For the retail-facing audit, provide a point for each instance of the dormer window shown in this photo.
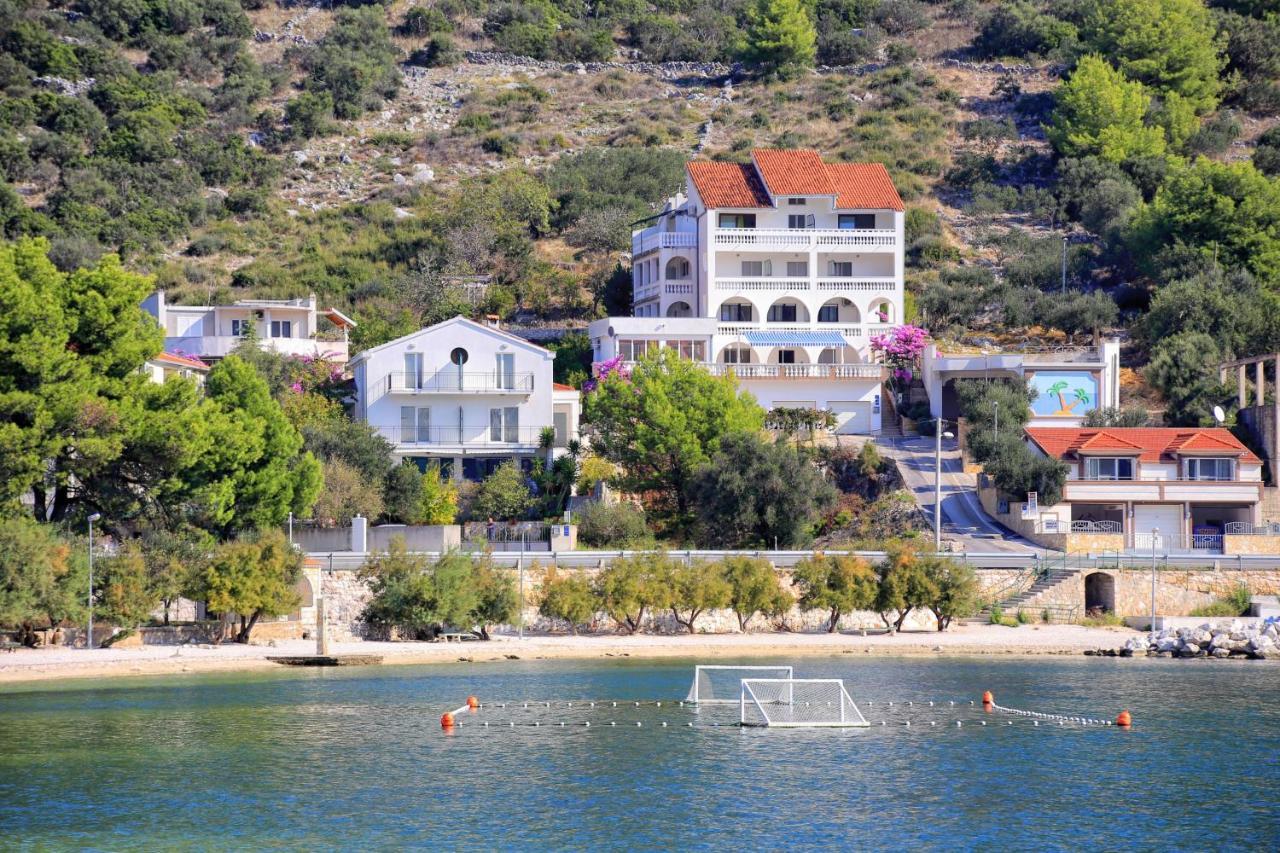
(797, 202)
(1210, 469)
(1104, 468)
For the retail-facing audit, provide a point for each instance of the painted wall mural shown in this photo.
(1064, 393)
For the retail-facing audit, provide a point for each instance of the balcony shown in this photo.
(220, 346)
(1172, 491)
(852, 331)
(765, 283)
(642, 242)
(460, 382)
(798, 371)
(466, 437)
(862, 284)
(806, 239)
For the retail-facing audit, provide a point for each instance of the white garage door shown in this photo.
(1163, 517)
(853, 417)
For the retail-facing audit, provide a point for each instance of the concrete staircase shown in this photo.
(1047, 579)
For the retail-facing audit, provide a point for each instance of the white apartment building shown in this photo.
(468, 395)
(778, 271)
(287, 326)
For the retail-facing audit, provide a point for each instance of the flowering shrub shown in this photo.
(602, 370)
(901, 348)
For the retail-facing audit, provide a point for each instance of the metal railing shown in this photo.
(461, 382)
(1248, 528)
(768, 238)
(1097, 527)
(798, 371)
(642, 242)
(473, 435)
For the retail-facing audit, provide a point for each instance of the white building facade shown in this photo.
(467, 395)
(287, 326)
(778, 271)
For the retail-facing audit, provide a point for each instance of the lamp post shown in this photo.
(523, 531)
(938, 435)
(1155, 535)
(995, 425)
(1064, 263)
(97, 516)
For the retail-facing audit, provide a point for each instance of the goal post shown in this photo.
(798, 703)
(720, 684)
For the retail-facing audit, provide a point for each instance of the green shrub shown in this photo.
(568, 598)
(605, 525)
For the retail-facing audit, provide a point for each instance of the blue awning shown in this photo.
(794, 339)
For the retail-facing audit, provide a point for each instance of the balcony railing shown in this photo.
(764, 283)
(853, 331)
(861, 284)
(663, 240)
(1248, 528)
(1097, 527)
(830, 239)
(478, 435)
(679, 288)
(799, 371)
(460, 382)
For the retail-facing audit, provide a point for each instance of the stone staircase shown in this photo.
(1046, 579)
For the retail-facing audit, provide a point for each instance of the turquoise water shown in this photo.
(356, 758)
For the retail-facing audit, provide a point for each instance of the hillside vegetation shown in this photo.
(382, 155)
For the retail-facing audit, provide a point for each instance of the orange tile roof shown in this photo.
(1150, 444)
(793, 172)
(856, 186)
(864, 185)
(728, 184)
(181, 360)
(560, 386)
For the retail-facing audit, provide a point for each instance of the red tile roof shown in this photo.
(560, 386)
(793, 172)
(181, 360)
(864, 185)
(856, 186)
(1150, 444)
(728, 184)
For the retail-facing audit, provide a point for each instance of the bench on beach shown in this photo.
(9, 646)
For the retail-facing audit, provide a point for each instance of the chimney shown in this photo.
(492, 321)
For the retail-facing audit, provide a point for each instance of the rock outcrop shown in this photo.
(1258, 642)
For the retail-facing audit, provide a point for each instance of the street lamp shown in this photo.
(938, 435)
(97, 516)
(1155, 535)
(995, 426)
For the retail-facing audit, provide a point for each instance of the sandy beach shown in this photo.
(46, 664)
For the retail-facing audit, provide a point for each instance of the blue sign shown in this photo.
(1064, 393)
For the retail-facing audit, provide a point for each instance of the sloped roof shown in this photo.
(468, 325)
(864, 185)
(728, 184)
(793, 172)
(1150, 444)
(775, 172)
(560, 386)
(181, 361)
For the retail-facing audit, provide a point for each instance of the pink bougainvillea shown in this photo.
(901, 345)
(602, 370)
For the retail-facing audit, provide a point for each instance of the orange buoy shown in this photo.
(446, 720)
(987, 698)
(473, 702)
(1124, 719)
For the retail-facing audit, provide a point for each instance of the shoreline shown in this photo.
(27, 666)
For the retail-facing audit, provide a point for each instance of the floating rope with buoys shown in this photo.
(1124, 719)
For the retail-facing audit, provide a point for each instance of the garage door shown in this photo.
(853, 417)
(1163, 517)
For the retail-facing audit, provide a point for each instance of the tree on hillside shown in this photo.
(838, 584)
(662, 423)
(1101, 113)
(754, 588)
(1170, 45)
(757, 492)
(781, 39)
(1184, 368)
(355, 62)
(251, 577)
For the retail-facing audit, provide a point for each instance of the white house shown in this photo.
(779, 271)
(163, 365)
(286, 326)
(469, 395)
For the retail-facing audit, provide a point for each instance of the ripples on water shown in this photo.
(356, 758)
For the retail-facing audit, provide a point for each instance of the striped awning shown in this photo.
(765, 338)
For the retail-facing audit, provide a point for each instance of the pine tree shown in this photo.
(781, 38)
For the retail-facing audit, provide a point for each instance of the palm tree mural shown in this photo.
(1081, 397)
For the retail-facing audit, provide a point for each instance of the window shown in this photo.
(800, 220)
(737, 220)
(737, 355)
(857, 220)
(413, 370)
(634, 350)
(677, 268)
(786, 356)
(692, 350)
(757, 269)
(735, 312)
(1210, 469)
(506, 370)
(797, 269)
(829, 314)
(415, 424)
(797, 202)
(782, 314)
(1108, 469)
(504, 424)
(282, 328)
(239, 328)
(842, 269)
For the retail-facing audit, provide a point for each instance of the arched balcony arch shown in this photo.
(679, 309)
(788, 309)
(736, 354)
(880, 311)
(677, 269)
(839, 310)
(737, 310)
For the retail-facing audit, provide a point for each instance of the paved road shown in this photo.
(964, 522)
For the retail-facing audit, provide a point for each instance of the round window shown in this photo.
(458, 356)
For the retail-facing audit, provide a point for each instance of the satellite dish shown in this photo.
(1218, 414)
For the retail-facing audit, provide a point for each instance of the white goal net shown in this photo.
(722, 685)
(798, 703)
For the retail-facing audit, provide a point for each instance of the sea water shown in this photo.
(356, 758)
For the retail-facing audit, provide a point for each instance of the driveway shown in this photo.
(964, 523)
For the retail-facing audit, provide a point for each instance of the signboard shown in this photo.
(1049, 523)
(1031, 509)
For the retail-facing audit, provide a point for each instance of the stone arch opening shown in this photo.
(679, 309)
(1099, 593)
(678, 268)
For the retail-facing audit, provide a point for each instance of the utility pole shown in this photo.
(89, 638)
(1064, 263)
